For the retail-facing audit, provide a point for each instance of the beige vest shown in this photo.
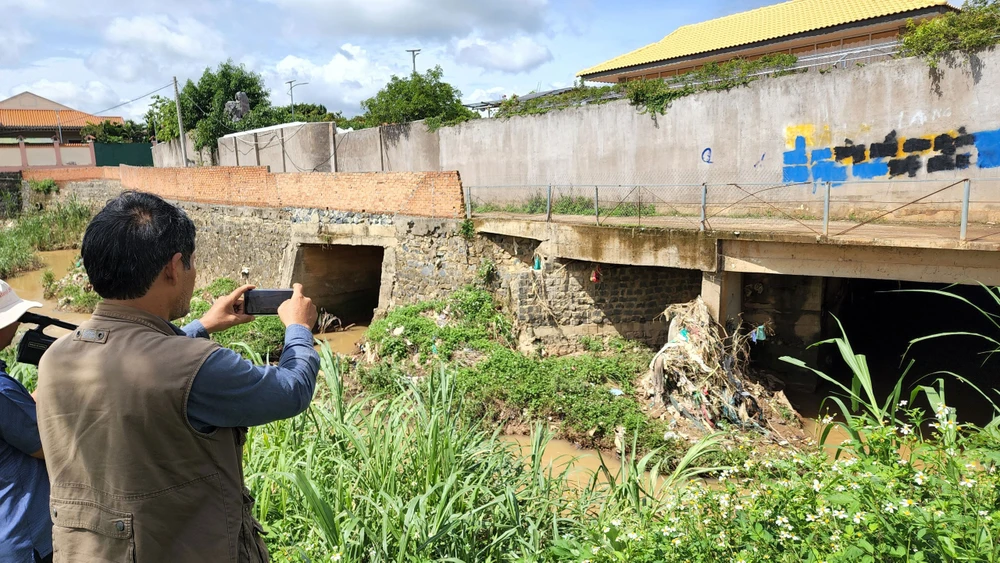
(132, 480)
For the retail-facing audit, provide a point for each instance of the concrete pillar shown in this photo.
(723, 294)
(24, 153)
(55, 145)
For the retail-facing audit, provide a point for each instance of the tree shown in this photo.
(110, 132)
(419, 96)
(305, 112)
(203, 105)
(161, 118)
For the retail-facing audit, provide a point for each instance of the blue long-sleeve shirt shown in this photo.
(229, 391)
(25, 527)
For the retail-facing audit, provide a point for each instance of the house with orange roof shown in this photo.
(30, 116)
(829, 32)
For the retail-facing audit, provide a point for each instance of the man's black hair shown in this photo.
(129, 242)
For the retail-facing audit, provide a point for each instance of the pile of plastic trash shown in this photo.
(700, 374)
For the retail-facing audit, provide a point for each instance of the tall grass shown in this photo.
(406, 478)
(59, 226)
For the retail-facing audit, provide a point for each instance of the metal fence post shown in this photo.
(704, 205)
(468, 202)
(826, 210)
(597, 207)
(548, 204)
(640, 205)
(965, 209)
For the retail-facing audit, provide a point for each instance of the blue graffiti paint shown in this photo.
(822, 154)
(795, 174)
(797, 156)
(988, 145)
(829, 171)
(869, 170)
(706, 156)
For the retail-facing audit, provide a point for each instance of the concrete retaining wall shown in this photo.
(301, 147)
(168, 154)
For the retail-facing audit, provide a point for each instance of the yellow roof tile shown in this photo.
(769, 22)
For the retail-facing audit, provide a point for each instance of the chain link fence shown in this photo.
(963, 209)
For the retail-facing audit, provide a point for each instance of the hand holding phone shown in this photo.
(265, 301)
(298, 309)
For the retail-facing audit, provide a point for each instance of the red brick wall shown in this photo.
(72, 174)
(421, 194)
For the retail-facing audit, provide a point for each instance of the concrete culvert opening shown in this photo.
(881, 319)
(342, 280)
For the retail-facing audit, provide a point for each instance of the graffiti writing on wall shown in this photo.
(812, 158)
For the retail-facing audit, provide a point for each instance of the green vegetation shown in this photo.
(567, 205)
(974, 29)
(418, 96)
(418, 477)
(264, 336)
(467, 229)
(407, 478)
(656, 95)
(58, 226)
(46, 186)
(579, 96)
(589, 397)
(127, 132)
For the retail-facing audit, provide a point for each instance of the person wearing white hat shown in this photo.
(25, 526)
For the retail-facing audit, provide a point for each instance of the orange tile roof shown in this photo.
(47, 118)
(761, 24)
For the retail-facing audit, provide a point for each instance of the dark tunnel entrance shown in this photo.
(881, 318)
(342, 280)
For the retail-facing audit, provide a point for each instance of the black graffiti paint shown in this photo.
(887, 148)
(944, 144)
(916, 145)
(850, 150)
(909, 166)
(963, 161)
(964, 139)
(942, 162)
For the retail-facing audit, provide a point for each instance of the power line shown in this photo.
(95, 114)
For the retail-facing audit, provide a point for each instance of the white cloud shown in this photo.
(340, 83)
(519, 54)
(487, 94)
(146, 46)
(90, 96)
(14, 42)
(416, 18)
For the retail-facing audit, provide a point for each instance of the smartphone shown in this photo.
(265, 301)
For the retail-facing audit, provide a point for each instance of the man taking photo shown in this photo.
(25, 528)
(143, 423)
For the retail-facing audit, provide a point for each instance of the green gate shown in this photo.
(133, 154)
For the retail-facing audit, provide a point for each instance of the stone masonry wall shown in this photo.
(10, 193)
(427, 259)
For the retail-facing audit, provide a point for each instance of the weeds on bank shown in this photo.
(567, 205)
(58, 226)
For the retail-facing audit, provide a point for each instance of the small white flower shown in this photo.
(905, 430)
(676, 541)
(902, 403)
(889, 507)
(859, 517)
(919, 478)
(902, 462)
(907, 503)
(616, 523)
(969, 483)
(827, 419)
(855, 486)
(781, 520)
(984, 513)
(810, 518)
(336, 556)
(841, 488)
(633, 536)
(840, 514)
(816, 485)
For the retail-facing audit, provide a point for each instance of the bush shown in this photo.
(975, 28)
(46, 186)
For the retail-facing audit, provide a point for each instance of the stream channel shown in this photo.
(28, 286)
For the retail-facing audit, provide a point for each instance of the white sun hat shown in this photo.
(12, 306)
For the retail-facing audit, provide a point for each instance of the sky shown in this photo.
(95, 54)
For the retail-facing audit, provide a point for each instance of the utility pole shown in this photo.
(414, 52)
(59, 123)
(180, 124)
(291, 92)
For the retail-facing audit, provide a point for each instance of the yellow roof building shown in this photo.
(798, 27)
